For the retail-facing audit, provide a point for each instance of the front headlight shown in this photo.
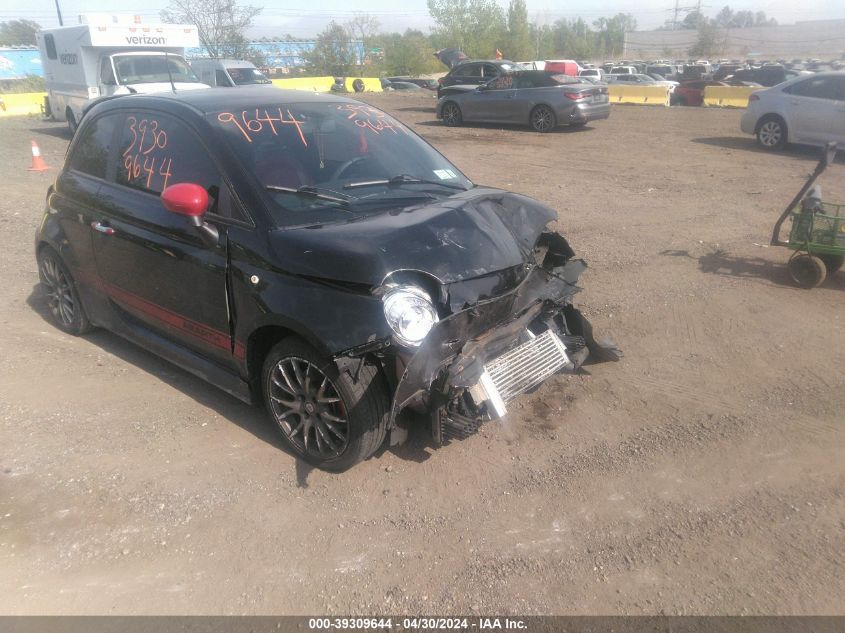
(409, 313)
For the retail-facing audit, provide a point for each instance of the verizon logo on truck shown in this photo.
(146, 39)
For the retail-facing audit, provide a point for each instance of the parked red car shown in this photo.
(692, 92)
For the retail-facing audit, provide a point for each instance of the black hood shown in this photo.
(461, 237)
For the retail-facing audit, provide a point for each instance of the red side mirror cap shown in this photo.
(185, 198)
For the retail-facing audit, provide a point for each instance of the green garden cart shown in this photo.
(818, 230)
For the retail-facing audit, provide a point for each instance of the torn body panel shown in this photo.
(455, 357)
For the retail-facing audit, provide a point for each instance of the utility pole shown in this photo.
(59, 12)
(674, 20)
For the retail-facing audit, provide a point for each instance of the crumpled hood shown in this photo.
(464, 236)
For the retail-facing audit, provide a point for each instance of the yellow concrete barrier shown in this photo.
(728, 96)
(640, 95)
(324, 84)
(22, 103)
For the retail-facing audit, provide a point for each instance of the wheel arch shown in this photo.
(540, 104)
(768, 117)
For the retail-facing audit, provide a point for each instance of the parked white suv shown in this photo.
(808, 109)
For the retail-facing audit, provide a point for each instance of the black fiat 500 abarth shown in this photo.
(312, 253)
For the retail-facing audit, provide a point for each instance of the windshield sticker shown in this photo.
(148, 136)
(445, 174)
(251, 127)
(368, 118)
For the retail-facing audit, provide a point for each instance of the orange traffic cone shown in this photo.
(38, 163)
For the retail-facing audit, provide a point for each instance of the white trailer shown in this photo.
(103, 57)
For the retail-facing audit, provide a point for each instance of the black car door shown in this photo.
(74, 202)
(159, 275)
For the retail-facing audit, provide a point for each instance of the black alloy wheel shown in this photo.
(62, 299)
(327, 417)
(307, 407)
(451, 114)
(543, 119)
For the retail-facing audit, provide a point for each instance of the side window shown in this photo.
(91, 152)
(106, 72)
(504, 82)
(50, 45)
(222, 79)
(818, 87)
(471, 70)
(157, 150)
(490, 70)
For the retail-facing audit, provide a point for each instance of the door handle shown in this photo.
(102, 228)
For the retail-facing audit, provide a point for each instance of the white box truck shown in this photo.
(102, 57)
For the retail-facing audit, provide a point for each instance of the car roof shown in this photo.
(217, 99)
(463, 62)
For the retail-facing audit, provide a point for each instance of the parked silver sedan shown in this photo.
(535, 98)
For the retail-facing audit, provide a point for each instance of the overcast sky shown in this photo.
(278, 17)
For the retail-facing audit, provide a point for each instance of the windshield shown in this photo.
(246, 76)
(148, 69)
(347, 151)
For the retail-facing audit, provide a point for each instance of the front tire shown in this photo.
(771, 133)
(326, 417)
(543, 119)
(808, 271)
(71, 121)
(66, 309)
(451, 114)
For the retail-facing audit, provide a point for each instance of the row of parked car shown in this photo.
(805, 108)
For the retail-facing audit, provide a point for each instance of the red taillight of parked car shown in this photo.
(753, 97)
(440, 80)
(575, 96)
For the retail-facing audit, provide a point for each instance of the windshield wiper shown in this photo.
(312, 192)
(403, 179)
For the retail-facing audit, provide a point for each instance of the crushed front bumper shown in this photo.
(475, 361)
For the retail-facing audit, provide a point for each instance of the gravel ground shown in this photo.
(703, 474)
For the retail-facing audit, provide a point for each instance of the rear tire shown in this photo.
(833, 263)
(771, 132)
(808, 271)
(66, 309)
(451, 114)
(542, 119)
(326, 417)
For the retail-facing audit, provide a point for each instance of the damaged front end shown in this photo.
(476, 360)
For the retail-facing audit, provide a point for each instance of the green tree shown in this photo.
(333, 53)
(478, 27)
(408, 53)
(18, 33)
(221, 24)
(519, 45)
(363, 27)
(707, 43)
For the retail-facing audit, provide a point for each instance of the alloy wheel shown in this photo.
(59, 292)
(308, 408)
(771, 134)
(451, 114)
(542, 119)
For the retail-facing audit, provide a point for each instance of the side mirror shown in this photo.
(186, 199)
(190, 200)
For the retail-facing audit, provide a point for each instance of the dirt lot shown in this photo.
(703, 474)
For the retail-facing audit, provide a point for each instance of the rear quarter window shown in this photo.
(91, 152)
